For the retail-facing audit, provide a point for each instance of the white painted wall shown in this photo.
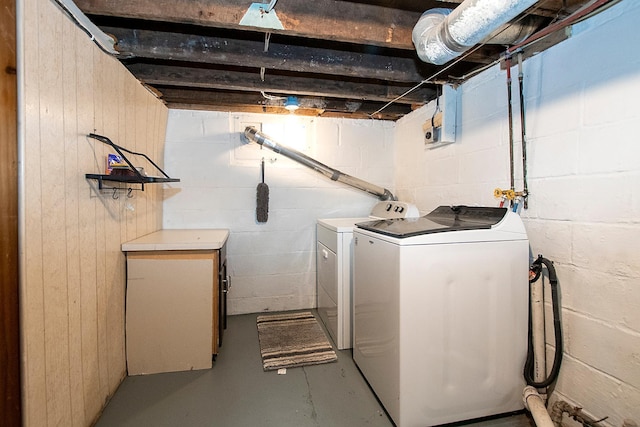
(584, 169)
(272, 265)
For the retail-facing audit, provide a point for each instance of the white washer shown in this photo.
(440, 313)
(334, 279)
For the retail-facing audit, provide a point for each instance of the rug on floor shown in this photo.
(289, 340)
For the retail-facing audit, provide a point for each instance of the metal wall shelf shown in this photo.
(135, 177)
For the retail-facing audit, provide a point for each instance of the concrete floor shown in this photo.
(237, 392)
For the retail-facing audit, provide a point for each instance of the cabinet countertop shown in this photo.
(176, 240)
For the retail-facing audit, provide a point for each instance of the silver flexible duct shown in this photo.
(441, 34)
(252, 134)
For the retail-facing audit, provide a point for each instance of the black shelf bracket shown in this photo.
(135, 178)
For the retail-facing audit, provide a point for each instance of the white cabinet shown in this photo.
(174, 303)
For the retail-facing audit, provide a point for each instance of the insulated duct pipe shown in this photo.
(252, 134)
(441, 34)
(104, 41)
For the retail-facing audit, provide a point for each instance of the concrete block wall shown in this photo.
(584, 180)
(272, 264)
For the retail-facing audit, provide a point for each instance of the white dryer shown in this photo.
(334, 277)
(440, 313)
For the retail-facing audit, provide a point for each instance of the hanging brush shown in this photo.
(262, 199)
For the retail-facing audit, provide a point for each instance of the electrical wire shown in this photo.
(272, 97)
(437, 109)
(427, 80)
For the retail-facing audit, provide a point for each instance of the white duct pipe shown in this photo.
(535, 404)
(440, 36)
(104, 41)
(538, 331)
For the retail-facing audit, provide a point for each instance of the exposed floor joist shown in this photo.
(354, 56)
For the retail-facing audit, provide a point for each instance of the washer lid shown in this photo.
(442, 219)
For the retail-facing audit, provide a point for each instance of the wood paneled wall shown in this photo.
(73, 274)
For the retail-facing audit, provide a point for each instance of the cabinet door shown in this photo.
(216, 303)
(169, 311)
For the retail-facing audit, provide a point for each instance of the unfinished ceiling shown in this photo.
(339, 58)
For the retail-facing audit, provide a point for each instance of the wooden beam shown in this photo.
(249, 53)
(281, 84)
(10, 382)
(250, 102)
(320, 19)
(546, 8)
(271, 110)
(343, 21)
(256, 99)
(556, 8)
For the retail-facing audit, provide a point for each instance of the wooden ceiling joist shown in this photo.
(168, 75)
(345, 52)
(280, 56)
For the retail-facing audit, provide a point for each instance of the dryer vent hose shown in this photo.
(529, 368)
(252, 134)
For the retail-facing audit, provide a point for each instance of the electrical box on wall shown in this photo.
(441, 128)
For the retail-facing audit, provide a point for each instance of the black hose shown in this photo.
(529, 367)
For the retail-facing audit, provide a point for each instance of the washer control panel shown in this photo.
(394, 209)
